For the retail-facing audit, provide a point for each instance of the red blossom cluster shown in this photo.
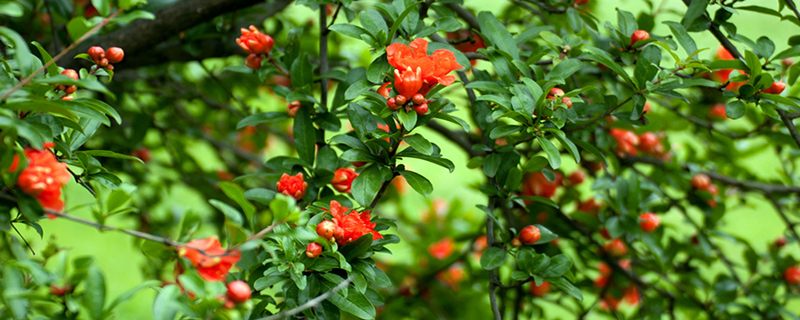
(343, 179)
(556, 93)
(43, 177)
(630, 293)
(628, 143)
(347, 227)
(207, 256)
(292, 186)
(416, 73)
(256, 44)
(536, 184)
(702, 182)
(467, 41)
(442, 249)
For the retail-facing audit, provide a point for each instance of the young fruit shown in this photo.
(421, 109)
(516, 243)
(313, 250)
(616, 248)
(776, 88)
(649, 221)
(540, 291)
(115, 54)
(238, 291)
(792, 275)
(530, 234)
(701, 181)
(418, 99)
(576, 177)
(291, 109)
(70, 73)
(780, 242)
(639, 35)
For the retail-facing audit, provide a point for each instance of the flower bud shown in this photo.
(421, 109)
(313, 250)
(115, 54)
(418, 99)
(326, 229)
(96, 53)
(400, 100)
(70, 73)
(253, 61)
(238, 291)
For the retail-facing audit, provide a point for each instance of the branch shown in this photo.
(27, 79)
(461, 138)
(141, 35)
(465, 14)
(790, 125)
(311, 303)
(138, 234)
(744, 184)
(789, 224)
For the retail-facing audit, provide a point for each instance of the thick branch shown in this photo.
(141, 35)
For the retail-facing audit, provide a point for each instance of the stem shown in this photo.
(492, 273)
(23, 239)
(785, 218)
(323, 57)
(27, 79)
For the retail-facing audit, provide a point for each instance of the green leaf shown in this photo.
(233, 215)
(166, 305)
(356, 89)
(597, 55)
(683, 37)
(301, 71)
(493, 258)
(419, 143)
(52, 69)
(546, 234)
(397, 22)
(260, 118)
(109, 154)
(236, 194)
(558, 266)
(571, 148)
(696, 9)
(503, 130)
(487, 86)
(497, 34)
(85, 83)
(591, 148)
(349, 30)
(305, 136)
(408, 119)
(373, 22)
(13, 281)
(77, 27)
(94, 294)
(553, 156)
(735, 109)
(366, 185)
(127, 295)
(753, 63)
(418, 182)
(353, 302)
(564, 70)
(563, 284)
(22, 55)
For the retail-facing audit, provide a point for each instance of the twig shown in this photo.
(493, 281)
(311, 303)
(138, 234)
(790, 125)
(23, 239)
(28, 79)
(468, 17)
(744, 184)
(789, 224)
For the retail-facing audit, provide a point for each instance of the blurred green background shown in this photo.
(122, 261)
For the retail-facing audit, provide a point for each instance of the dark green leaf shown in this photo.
(418, 182)
(493, 258)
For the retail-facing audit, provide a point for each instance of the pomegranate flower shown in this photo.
(255, 42)
(209, 258)
(353, 225)
(292, 186)
(43, 177)
(442, 249)
(343, 179)
(433, 69)
(408, 82)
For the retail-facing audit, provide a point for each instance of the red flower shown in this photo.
(442, 249)
(43, 177)
(292, 186)
(255, 42)
(353, 225)
(452, 276)
(209, 258)
(343, 179)
(408, 82)
(536, 184)
(433, 68)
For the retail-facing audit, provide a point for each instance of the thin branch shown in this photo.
(323, 57)
(28, 79)
(138, 234)
(744, 184)
(790, 125)
(23, 239)
(789, 224)
(465, 14)
(311, 303)
(493, 281)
